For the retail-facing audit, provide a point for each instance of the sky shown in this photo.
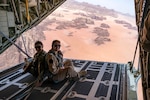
(124, 6)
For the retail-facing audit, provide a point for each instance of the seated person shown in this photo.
(37, 65)
(61, 70)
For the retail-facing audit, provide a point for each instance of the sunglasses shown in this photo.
(37, 47)
(57, 45)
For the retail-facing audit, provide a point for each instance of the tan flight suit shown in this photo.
(54, 67)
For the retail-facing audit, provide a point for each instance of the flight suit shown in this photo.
(55, 64)
(37, 66)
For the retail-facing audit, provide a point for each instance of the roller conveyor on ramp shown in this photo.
(104, 81)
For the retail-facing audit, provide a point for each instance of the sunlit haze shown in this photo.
(124, 6)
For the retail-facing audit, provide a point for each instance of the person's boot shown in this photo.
(82, 73)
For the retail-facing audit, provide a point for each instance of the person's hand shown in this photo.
(63, 67)
(26, 64)
(38, 83)
(26, 61)
(66, 67)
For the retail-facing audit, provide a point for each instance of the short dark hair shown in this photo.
(38, 42)
(54, 41)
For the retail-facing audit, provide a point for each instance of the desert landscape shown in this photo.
(92, 37)
(86, 32)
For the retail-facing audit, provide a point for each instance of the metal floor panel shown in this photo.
(101, 83)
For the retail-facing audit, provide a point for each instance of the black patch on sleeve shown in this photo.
(50, 61)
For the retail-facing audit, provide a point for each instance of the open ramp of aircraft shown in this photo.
(104, 81)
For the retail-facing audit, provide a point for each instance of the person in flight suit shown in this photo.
(60, 69)
(37, 65)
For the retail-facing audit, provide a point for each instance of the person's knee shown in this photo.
(68, 63)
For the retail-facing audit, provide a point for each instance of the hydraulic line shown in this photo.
(135, 52)
(27, 11)
(24, 43)
(15, 11)
(3, 35)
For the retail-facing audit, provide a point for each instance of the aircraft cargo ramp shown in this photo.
(104, 81)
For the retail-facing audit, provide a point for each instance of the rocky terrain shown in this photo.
(125, 24)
